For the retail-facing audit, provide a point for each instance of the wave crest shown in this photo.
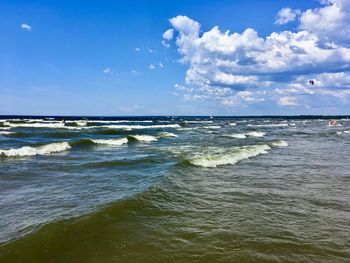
(41, 150)
(231, 157)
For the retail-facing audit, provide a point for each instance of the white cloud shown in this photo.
(165, 44)
(137, 49)
(107, 70)
(331, 22)
(161, 65)
(286, 15)
(185, 25)
(287, 101)
(168, 35)
(151, 66)
(26, 27)
(282, 62)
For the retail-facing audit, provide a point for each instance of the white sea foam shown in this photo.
(237, 135)
(245, 135)
(41, 125)
(5, 132)
(256, 134)
(211, 127)
(269, 125)
(194, 122)
(79, 123)
(142, 126)
(230, 157)
(342, 132)
(232, 124)
(145, 138)
(118, 121)
(113, 142)
(188, 129)
(40, 150)
(167, 134)
(280, 143)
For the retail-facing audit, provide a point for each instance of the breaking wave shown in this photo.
(167, 134)
(144, 138)
(113, 142)
(245, 135)
(159, 126)
(280, 143)
(231, 157)
(40, 150)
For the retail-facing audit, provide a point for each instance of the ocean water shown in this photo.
(174, 189)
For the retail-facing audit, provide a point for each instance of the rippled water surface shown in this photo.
(174, 189)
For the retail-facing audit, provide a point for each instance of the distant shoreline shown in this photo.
(175, 116)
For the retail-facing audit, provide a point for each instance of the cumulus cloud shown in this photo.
(280, 63)
(330, 22)
(286, 15)
(287, 101)
(151, 66)
(26, 27)
(168, 35)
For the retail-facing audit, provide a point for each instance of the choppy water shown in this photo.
(174, 189)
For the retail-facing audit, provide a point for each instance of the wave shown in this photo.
(32, 151)
(280, 143)
(41, 125)
(230, 157)
(342, 132)
(119, 163)
(167, 134)
(194, 122)
(118, 121)
(237, 135)
(256, 134)
(232, 123)
(159, 126)
(145, 138)
(6, 133)
(244, 135)
(211, 127)
(114, 142)
(269, 125)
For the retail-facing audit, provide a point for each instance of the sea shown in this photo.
(174, 189)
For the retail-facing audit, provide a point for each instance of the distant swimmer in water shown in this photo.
(332, 123)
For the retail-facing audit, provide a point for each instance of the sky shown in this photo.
(185, 57)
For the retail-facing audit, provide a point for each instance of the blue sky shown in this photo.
(113, 58)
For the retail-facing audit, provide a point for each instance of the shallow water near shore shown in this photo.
(174, 189)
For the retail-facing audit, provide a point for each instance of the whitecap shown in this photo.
(145, 138)
(256, 134)
(280, 143)
(113, 142)
(40, 150)
(41, 125)
(5, 132)
(211, 127)
(142, 126)
(231, 157)
(269, 125)
(237, 135)
(167, 134)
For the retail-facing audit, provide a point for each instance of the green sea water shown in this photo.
(174, 189)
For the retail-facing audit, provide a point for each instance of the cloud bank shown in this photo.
(236, 68)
